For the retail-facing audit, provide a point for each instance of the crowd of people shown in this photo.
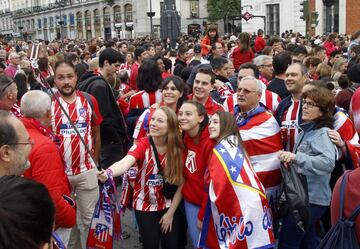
(195, 137)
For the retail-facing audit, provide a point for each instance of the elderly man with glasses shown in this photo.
(13, 66)
(261, 136)
(15, 145)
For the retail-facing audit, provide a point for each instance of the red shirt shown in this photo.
(259, 44)
(196, 164)
(240, 58)
(211, 105)
(133, 75)
(351, 201)
(148, 183)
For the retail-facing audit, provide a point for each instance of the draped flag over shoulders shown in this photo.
(105, 225)
(237, 202)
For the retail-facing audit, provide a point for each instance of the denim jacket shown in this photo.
(315, 158)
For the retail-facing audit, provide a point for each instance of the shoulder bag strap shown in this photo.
(158, 164)
(342, 195)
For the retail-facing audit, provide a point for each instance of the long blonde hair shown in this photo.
(175, 147)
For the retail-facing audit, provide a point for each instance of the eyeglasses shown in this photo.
(29, 141)
(7, 85)
(245, 91)
(309, 104)
(116, 64)
(270, 65)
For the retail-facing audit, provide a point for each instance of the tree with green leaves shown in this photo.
(223, 10)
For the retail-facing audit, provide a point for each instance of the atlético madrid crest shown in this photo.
(101, 232)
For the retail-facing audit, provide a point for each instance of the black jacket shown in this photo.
(113, 128)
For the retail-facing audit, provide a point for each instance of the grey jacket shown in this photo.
(315, 158)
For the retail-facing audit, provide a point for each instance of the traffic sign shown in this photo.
(247, 16)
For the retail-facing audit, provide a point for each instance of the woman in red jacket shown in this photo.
(211, 37)
(242, 53)
(193, 121)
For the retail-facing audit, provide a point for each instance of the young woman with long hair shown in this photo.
(173, 90)
(211, 37)
(236, 196)
(158, 159)
(193, 121)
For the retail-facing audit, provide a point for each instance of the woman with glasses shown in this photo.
(313, 156)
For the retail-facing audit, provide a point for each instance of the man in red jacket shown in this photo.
(260, 43)
(47, 166)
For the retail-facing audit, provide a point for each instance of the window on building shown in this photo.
(117, 14)
(79, 19)
(39, 23)
(64, 19)
(273, 19)
(162, 7)
(51, 22)
(97, 16)
(72, 19)
(87, 18)
(128, 13)
(106, 16)
(194, 8)
(45, 22)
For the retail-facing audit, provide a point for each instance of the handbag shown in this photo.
(297, 196)
(168, 189)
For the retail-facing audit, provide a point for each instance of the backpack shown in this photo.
(342, 234)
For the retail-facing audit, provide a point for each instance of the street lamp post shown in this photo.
(151, 14)
(60, 4)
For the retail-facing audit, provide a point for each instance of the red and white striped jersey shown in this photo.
(290, 124)
(149, 183)
(268, 98)
(262, 142)
(144, 99)
(345, 127)
(76, 157)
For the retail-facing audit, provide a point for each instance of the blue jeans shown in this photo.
(291, 236)
(191, 212)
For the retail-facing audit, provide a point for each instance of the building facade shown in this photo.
(84, 19)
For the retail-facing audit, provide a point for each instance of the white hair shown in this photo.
(13, 55)
(35, 104)
(259, 84)
(260, 60)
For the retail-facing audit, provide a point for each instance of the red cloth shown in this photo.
(47, 168)
(211, 105)
(166, 74)
(351, 201)
(133, 75)
(355, 107)
(240, 58)
(144, 99)
(330, 47)
(259, 44)
(196, 164)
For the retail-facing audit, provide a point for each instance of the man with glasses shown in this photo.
(261, 136)
(15, 145)
(13, 66)
(268, 98)
(8, 96)
(113, 129)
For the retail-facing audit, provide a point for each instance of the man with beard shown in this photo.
(113, 128)
(80, 167)
(15, 145)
